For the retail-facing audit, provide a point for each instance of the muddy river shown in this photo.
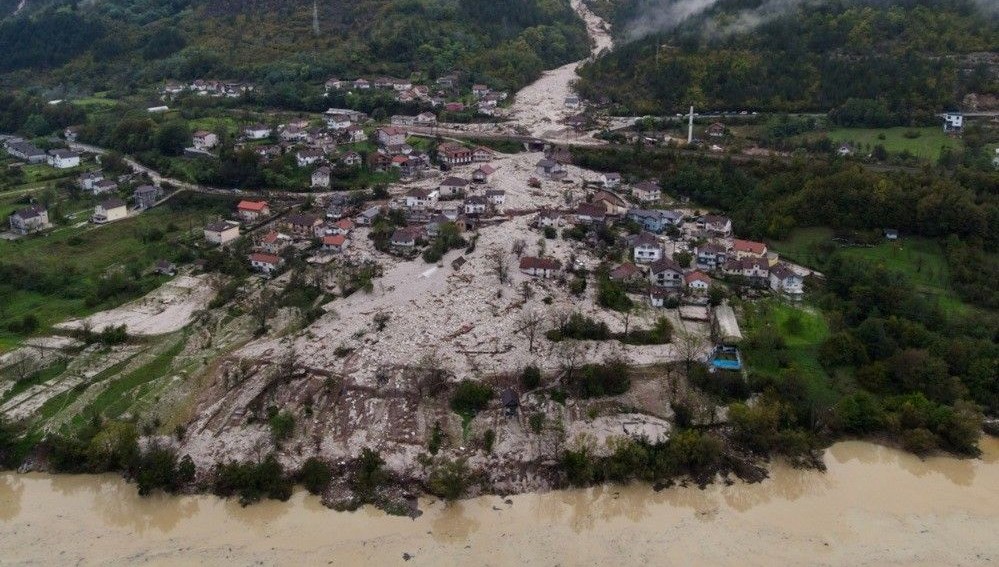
(874, 506)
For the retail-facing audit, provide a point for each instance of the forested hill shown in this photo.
(121, 44)
(898, 60)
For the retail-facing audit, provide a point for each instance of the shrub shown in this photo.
(282, 425)
(609, 379)
(369, 474)
(537, 422)
(488, 440)
(470, 397)
(252, 481)
(530, 378)
(449, 479)
(315, 475)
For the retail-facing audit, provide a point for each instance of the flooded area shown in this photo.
(874, 506)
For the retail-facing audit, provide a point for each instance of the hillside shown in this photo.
(877, 63)
(124, 45)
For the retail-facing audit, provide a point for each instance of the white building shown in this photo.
(63, 159)
(109, 211)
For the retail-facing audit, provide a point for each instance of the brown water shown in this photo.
(874, 506)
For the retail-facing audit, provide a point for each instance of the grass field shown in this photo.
(927, 145)
(803, 329)
(921, 260)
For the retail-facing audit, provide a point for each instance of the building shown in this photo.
(302, 225)
(29, 219)
(475, 205)
(257, 132)
(484, 173)
(953, 122)
(647, 191)
(205, 140)
(266, 263)
(308, 156)
(716, 130)
(610, 180)
(549, 219)
(666, 273)
(718, 225)
(588, 213)
(63, 159)
(146, 196)
(222, 232)
(455, 154)
(540, 267)
(87, 180)
(104, 186)
(26, 151)
(419, 198)
(251, 211)
(655, 220)
(496, 197)
(334, 242)
(549, 168)
(482, 154)
(321, 177)
(710, 256)
(406, 237)
(274, 242)
(390, 136)
(748, 248)
(109, 210)
(647, 248)
(697, 281)
(625, 273)
(785, 280)
(452, 187)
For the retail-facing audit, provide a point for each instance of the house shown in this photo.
(540, 267)
(367, 216)
(475, 205)
(32, 218)
(390, 136)
(256, 132)
(351, 159)
(890, 234)
(454, 154)
(454, 107)
(222, 232)
(612, 204)
(266, 263)
(572, 102)
(104, 186)
(63, 159)
(647, 191)
(356, 134)
(293, 134)
(302, 225)
(718, 225)
(26, 151)
(426, 119)
(268, 152)
(109, 210)
(786, 280)
(204, 140)
(716, 130)
(342, 227)
(274, 242)
(479, 91)
(87, 180)
(710, 256)
(483, 174)
(71, 133)
(165, 268)
(419, 198)
(588, 213)
(250, 211)
(697, 281)
(953, 122)
(753, 268)
(482, 154)
(655, 220)
(308, 157)
(338, 121)
(610, 180)
(550, 168)
(748, 248)
(362, 84)
(844, 150)
(146, 196)
(334, 242)
(496, 197)
(666, 273)
(406, 237)
(625, 273)
(647, 248)
(549, 219)
(321, 177)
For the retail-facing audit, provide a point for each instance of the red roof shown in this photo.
(697, 277)
(270, 238)
(264, 258)
(749, 246)
(345, 224)
(255, 206)
(335, 240)
(530, 262)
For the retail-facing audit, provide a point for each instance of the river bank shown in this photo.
(873, 506)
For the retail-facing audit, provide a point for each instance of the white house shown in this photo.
(453, 187)
(647, 248)
(204, 140)
(476, 205)
(540, 267)
(109, 211)
(222, 232)
(63, 159)
(29, 219)
(421, 198)
(666, 273)
(89, 179)
(308, 157)
(647, 191)
(256, 132)
(610, 180)
(321, 177)
(266, 263)
(496, 196)
(548, 218)
(786, 280)
(953, 122)
(697, 281)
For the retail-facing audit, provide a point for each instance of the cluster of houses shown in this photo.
(662, 236)
(113, 208)
(203, 87)
(444, 93)
(27, 152)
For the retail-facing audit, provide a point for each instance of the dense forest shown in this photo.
(123, 45)
(875, 63)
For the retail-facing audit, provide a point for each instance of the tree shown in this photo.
(518, 247)
(449, 479)
(315, 475)
(499, 263)
(529, 322)
(172, 137)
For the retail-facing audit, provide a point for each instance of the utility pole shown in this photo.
(690, 127)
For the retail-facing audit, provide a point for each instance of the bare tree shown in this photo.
(525, 290)
(499, 263)
(263, 309)
(688, 348)
(570, 354)
(529, 323)
(518, 247)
